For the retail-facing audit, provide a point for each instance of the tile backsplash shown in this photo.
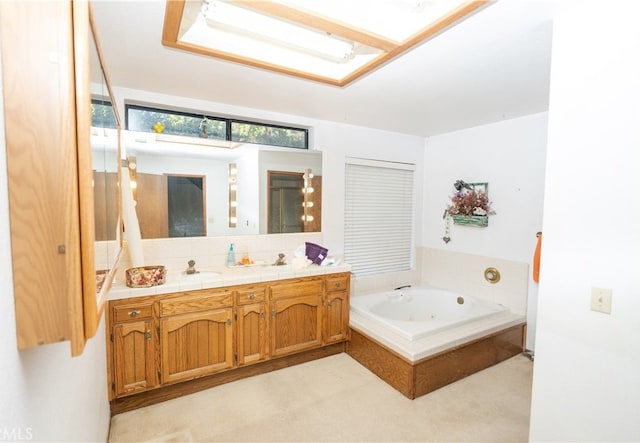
(450, 270)
(465, 273)
(211, 252)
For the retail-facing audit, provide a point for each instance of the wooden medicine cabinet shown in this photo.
(47, 87)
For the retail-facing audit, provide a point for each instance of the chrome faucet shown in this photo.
(192, 267)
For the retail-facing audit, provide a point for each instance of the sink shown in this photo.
(200, 275)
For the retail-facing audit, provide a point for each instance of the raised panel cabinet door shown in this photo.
(296, 324)
(133, 354)
(252, 333)
(337, 317)
(195, 344)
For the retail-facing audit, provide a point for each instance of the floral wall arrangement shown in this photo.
(469, 205)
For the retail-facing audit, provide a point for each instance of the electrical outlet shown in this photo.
(601, 300)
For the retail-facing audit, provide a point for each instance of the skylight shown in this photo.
(331, 41)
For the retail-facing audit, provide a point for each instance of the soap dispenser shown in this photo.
(231, 256)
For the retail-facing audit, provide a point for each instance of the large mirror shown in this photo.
(105, 133)
(187, 187)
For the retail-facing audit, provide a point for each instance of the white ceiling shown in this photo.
(493, 66)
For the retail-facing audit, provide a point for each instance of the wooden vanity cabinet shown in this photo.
(134, 347)
(159, 341)
(296, 316)
(337, 309)
(196, 335)
(252, 321)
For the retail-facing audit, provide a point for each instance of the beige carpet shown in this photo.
(335, 399)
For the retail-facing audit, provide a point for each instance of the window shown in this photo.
(142, 119)
(378, 216)
(102, 115)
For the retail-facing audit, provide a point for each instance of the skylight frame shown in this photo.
(179, 16)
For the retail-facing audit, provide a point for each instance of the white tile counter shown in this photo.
(219, 277)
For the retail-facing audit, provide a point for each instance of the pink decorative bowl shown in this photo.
(145, 276)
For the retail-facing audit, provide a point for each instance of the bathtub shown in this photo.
(416, 312)
(422, 338)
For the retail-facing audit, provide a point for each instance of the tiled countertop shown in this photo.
(216, 278)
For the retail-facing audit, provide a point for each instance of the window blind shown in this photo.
(378, 216)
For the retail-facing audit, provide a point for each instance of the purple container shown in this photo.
(315, 253)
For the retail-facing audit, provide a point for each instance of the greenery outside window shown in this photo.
(142, 119)
(102, 115)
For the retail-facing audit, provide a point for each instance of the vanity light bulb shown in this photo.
(134, 184)
(232, 187)
(307, 204)
(308, 190)
(233, 203)
(233, 171)
(132, 166)
(233, 220)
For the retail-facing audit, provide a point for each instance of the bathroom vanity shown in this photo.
(171, 344)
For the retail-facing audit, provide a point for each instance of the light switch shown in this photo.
(601, 300)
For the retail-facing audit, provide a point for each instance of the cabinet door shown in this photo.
(337, 317)
(133, 354)
(195, 344)
(252, 333)
(296, 324)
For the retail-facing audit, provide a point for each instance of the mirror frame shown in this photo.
(94, 301)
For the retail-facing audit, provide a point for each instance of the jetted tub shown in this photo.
(416, 312)
(419, 339)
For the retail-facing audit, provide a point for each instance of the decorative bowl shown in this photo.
(145, 276)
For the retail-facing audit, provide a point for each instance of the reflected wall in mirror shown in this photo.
(158, 157)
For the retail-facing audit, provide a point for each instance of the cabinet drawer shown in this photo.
(337, 283)
(131, 312)
(195, 303)
(294, 289)
(251, 295)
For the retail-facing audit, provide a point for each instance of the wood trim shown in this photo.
(164, 393)
(81, 40)
(436, 371)
(175, 10)
(428, 33)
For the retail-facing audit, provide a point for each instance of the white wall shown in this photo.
(45, 394)
(510, 156)
(586, 384)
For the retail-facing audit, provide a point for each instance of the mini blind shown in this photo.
(378, 216)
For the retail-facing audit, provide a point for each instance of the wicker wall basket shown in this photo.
(471, 220)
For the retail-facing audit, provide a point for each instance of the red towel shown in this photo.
(536, 259)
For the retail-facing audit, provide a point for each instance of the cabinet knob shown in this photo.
(328, 304)
(262, 315)
(273, 314)
(134, 313)
(336, 285)
(252, 296)
(147, 335)
(228, 322)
